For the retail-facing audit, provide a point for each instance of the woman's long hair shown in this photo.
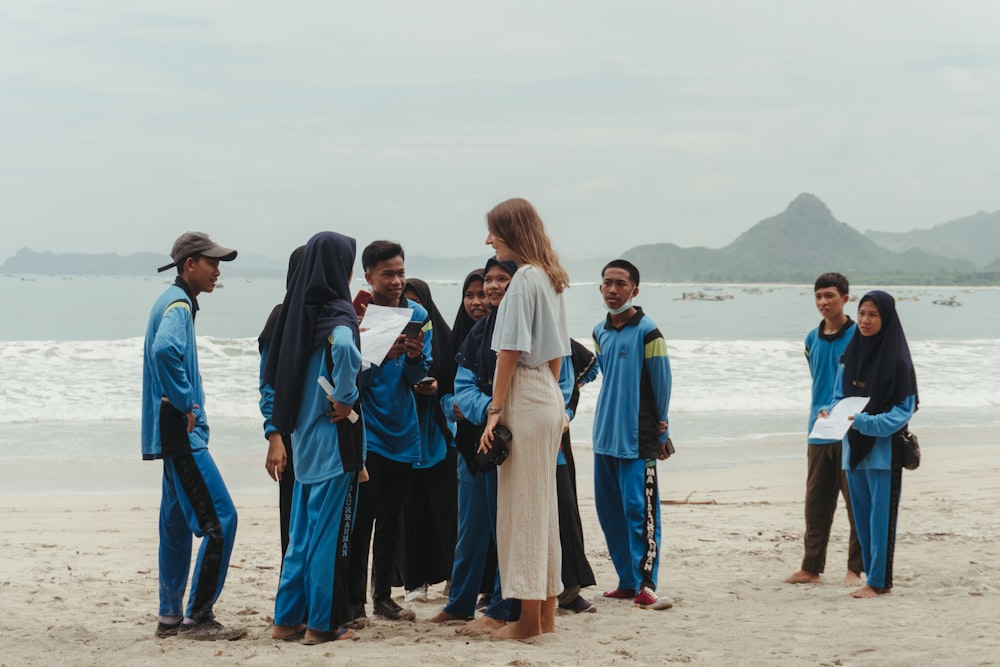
(517, 223)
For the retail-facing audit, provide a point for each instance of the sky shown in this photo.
(124, 123)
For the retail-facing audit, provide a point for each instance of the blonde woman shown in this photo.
(531, 338)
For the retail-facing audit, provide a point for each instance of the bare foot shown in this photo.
(517, 630)
(867, 591)
(442, 617)
(483, 625)
(852, 579)
(314, 637)
(804, 577)
(284, 632)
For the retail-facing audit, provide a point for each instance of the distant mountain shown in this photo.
(794, 246)
(455, 269)
(27, 260)
(975, 238)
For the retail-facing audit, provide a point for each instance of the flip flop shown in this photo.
(298, 634)
(336, 635)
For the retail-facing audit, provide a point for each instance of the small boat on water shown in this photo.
(707, 294)
(950, 301)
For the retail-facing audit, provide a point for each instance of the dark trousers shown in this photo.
(286, 487)
(429, 524)
(825, 480)
(380, 503)
(576, 570)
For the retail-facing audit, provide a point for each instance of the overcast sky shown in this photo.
(124, 123)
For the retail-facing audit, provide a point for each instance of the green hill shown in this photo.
(794, 246)
(975, 238)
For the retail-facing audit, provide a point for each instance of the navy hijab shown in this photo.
(476, 353)
(879, 367)
(272, 320)
(317, 301)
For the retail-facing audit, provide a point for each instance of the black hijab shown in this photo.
(272, 320)
(317, 301)
(442, 332)
(879, 367)
(459, 331)
(476, 353)
(439, 343)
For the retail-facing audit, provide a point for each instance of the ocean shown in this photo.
(71, 362)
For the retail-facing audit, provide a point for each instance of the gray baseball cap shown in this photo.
(197, 243)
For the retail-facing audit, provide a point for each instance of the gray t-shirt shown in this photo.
(532, 319)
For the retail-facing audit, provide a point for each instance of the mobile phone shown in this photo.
(361, 300)
(426, 382)
(412, 329)
(328, 388)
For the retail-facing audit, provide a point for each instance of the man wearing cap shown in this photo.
(195, 500)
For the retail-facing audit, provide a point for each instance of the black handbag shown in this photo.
(907, 447)
(500, 450)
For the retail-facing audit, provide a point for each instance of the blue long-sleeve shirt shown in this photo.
(391, 423)
(316, 454)
(881, 426)
(170, 370)
(823, 355)
(635, 393)
(469, 398)
(266, 402)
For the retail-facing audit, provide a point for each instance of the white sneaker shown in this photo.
(418, 594)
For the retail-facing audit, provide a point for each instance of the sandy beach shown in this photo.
(78, 581)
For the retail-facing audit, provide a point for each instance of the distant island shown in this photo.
(791, 247)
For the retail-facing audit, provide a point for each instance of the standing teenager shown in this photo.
(631, 433)
(195, 500)
(531, 338)
(428, 541)
(876, 364)
(317, 336)
(393, 438)
(278, 461)
(825, 478)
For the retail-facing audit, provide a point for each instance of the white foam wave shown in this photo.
(90, 381)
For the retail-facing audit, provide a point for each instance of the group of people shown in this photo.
(406, 459)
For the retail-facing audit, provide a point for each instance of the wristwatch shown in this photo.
(494, 409)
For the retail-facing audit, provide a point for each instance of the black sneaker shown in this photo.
(388, 609)
(164, 630)
(359, 618)
(210, 631)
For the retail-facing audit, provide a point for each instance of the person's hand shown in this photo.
(486, 441)
(823, 414)
(663, 427)
(398, 348)
(414, 346)
(565, 422)
(277, 459)
(191, 418)
(426, 389)
(339, 411)
(458, 413)
(663, 454)
(850, 418)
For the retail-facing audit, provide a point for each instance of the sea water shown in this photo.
(71, 363)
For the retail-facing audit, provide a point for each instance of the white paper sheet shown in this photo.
(835, 426)
(380, 329)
